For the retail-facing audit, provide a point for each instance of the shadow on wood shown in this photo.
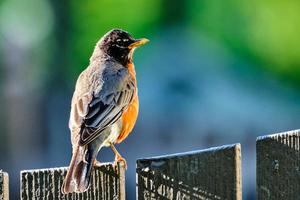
(278, 166)
(4, 193)
(107, 183)
(213, 173)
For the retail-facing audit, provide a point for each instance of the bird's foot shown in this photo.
(97, 163)
(119, 158)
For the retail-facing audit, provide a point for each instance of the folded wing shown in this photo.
(106, 107)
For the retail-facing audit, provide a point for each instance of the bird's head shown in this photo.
(120, 45)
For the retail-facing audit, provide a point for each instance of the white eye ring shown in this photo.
(118, 40)
(125, 40)
(121, 47)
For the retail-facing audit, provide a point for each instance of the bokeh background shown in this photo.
(214, 73)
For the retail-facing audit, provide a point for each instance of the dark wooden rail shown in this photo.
(214, 173)
(107, 183)
(278, 166)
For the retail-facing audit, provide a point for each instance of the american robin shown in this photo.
(104, 106)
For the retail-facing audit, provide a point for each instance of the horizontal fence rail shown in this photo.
(4, 193)
(214, 173)
(107, 183)
(278, 166)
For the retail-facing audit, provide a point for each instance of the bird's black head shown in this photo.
(120, 45)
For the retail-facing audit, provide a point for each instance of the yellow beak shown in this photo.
(138, 42)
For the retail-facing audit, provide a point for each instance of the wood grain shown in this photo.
(4, 193)
(107, 183)
(278, 166)
(213, 173)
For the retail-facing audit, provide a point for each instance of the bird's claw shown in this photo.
(119, 158)
(97, 163)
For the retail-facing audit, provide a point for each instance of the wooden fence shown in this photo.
(278, 166)
(107, 183)
(4, 193)
(214, 173)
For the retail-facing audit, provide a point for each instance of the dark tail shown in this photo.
(79, 172)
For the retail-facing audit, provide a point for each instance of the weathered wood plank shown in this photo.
(213, 173)
(107, 183)
(4, 193)
(278, 166)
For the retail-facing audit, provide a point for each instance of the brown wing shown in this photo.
(107, 107)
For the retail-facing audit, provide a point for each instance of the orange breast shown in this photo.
(129, 116)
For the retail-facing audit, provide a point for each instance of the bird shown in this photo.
(104, 106)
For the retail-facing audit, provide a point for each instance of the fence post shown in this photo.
(278, 166)
(213, 173)
(107, 183)
(4, 192)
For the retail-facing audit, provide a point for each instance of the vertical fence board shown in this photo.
(213, 173)
(4, 193)
(278, 166)
(107, 183)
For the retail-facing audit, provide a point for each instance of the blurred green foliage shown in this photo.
(266, 31)
(89, 21)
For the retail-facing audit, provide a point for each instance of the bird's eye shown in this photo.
(119, 43)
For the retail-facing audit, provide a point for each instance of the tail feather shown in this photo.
(79, 172)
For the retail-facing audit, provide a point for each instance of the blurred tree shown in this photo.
(89, 21)
(266, 32)
(59, 62)
(174, 13)
(24, 28)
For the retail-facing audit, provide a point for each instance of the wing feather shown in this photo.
(107, 107)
